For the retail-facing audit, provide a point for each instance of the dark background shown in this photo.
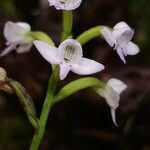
(83, 121)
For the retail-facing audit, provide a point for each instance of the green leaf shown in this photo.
(26, 101)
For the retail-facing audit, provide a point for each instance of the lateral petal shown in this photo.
(132, 49)
(107, 34)
(87, 66)
(47, 51)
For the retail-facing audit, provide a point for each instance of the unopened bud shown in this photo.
(3, 75)
(4, 85)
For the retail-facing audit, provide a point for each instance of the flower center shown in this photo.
(69, 52)
(63, 1)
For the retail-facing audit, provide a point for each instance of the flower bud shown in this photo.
(4, 85)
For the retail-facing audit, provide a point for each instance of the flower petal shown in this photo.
(122, 32)
(24, 48)
(123, 36)
(64, 70)
(47, 51)
(14, 32)
(113, 115)
(112, 99)
(8, 49)
(121, 25)
(120, 52)
(132, 49)
(26, 26)
(72, 4)
(65, 5)
(70, 49)
(87, 66)
(107, 34)
(117, 85)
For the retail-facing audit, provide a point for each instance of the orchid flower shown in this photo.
(111, 93)
(69, 57)
(120, 38)
(65, 4)
(16, 34)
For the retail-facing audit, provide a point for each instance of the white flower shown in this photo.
(16, 34)
(120, 38)
(65, 4)
(69, 57)
(111, 93)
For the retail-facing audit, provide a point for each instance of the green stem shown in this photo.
(77, 85)
(89, 35)
(67, 24)
(45, 110)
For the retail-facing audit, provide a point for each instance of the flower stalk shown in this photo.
(89, 35)
(77, 85)
(48, 103)
(38, 35)
(67, 24)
